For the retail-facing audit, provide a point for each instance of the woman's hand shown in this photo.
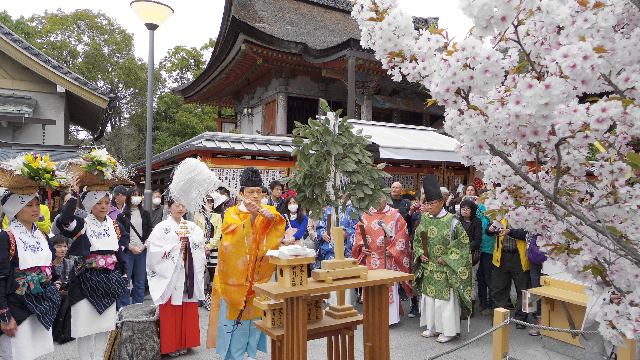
(9, 328)
(134, 249)
(424, 258)
(441, 261)
(326, 237)
(367, 252)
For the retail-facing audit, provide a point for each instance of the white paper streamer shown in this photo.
(192, 182)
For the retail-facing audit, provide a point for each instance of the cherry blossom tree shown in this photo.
(543, 97)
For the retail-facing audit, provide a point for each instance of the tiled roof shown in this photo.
(303, 21)
(232, 143)
(59, 153)
(49, 62)
(344, 5)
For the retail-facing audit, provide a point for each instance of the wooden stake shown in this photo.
(628, 350)
(500, 336)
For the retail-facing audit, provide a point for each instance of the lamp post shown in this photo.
(153, 14)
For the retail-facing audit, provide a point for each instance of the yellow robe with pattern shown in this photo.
(241, 257)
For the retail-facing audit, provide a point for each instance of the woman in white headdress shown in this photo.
(99, 241)
(176, 260)
(28, 299)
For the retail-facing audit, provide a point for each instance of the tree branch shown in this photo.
(558, 166)
(633, 254)
(526, 53)
(610, 82)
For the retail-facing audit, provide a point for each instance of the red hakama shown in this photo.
(179, 327)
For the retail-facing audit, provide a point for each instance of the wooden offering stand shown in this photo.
(291, 326)
(339, 268)
(290, 341)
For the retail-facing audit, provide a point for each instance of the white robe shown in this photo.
(441, 316)
(33, 250)
(165, 267)
(85, 320)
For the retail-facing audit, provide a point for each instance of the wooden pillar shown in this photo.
(343, 344)
(281, 113)
(627, 351)
(352, 352)
(367, 108)
(376, 322)
(500, 336)
(395, 116)
(330, 347)
(295, 328)
(351, 87)
(276, 350)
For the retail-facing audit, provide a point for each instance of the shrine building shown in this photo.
(273, 61)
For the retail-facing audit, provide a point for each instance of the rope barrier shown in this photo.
(487, 332)
(549, 328)
(507, 322)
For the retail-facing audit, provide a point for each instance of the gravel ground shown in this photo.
(406, 343)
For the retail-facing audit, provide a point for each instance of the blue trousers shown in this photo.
(234, 341)
(137, 274)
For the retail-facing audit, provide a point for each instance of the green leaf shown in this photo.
(324, 105)
(634, 160)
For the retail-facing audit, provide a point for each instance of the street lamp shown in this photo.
(153, 14)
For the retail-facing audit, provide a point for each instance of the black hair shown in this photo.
(274, 183)
(120, 189)
(127, 203)
(265, 190)
(468, 203)
(300, 212)
(224, 191)
(251, 178)
(59, 239)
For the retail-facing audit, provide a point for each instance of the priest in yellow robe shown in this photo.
(249, 230)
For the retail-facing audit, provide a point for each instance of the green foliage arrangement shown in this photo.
(332, 160)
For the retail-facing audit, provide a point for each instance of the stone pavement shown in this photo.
(406, 344)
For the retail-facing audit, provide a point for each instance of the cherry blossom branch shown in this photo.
(632, 254)
(615, 87)
(527, 54)
(556, 181)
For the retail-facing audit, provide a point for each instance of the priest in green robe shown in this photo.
(442, 259)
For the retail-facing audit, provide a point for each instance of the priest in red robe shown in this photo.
(386, 247)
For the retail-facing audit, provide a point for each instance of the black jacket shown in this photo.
(125, 221)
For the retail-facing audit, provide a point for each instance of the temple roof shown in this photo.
(86, 100)
(315, 30)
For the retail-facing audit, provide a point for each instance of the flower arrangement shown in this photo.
(36, 167)
(100, 163)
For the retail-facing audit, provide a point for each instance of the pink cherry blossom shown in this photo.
(552, 87)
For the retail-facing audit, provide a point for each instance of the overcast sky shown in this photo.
(195, 21)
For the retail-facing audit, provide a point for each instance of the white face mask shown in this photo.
(264, 201)
(136, 200)
(156, 201)
(293, 208)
